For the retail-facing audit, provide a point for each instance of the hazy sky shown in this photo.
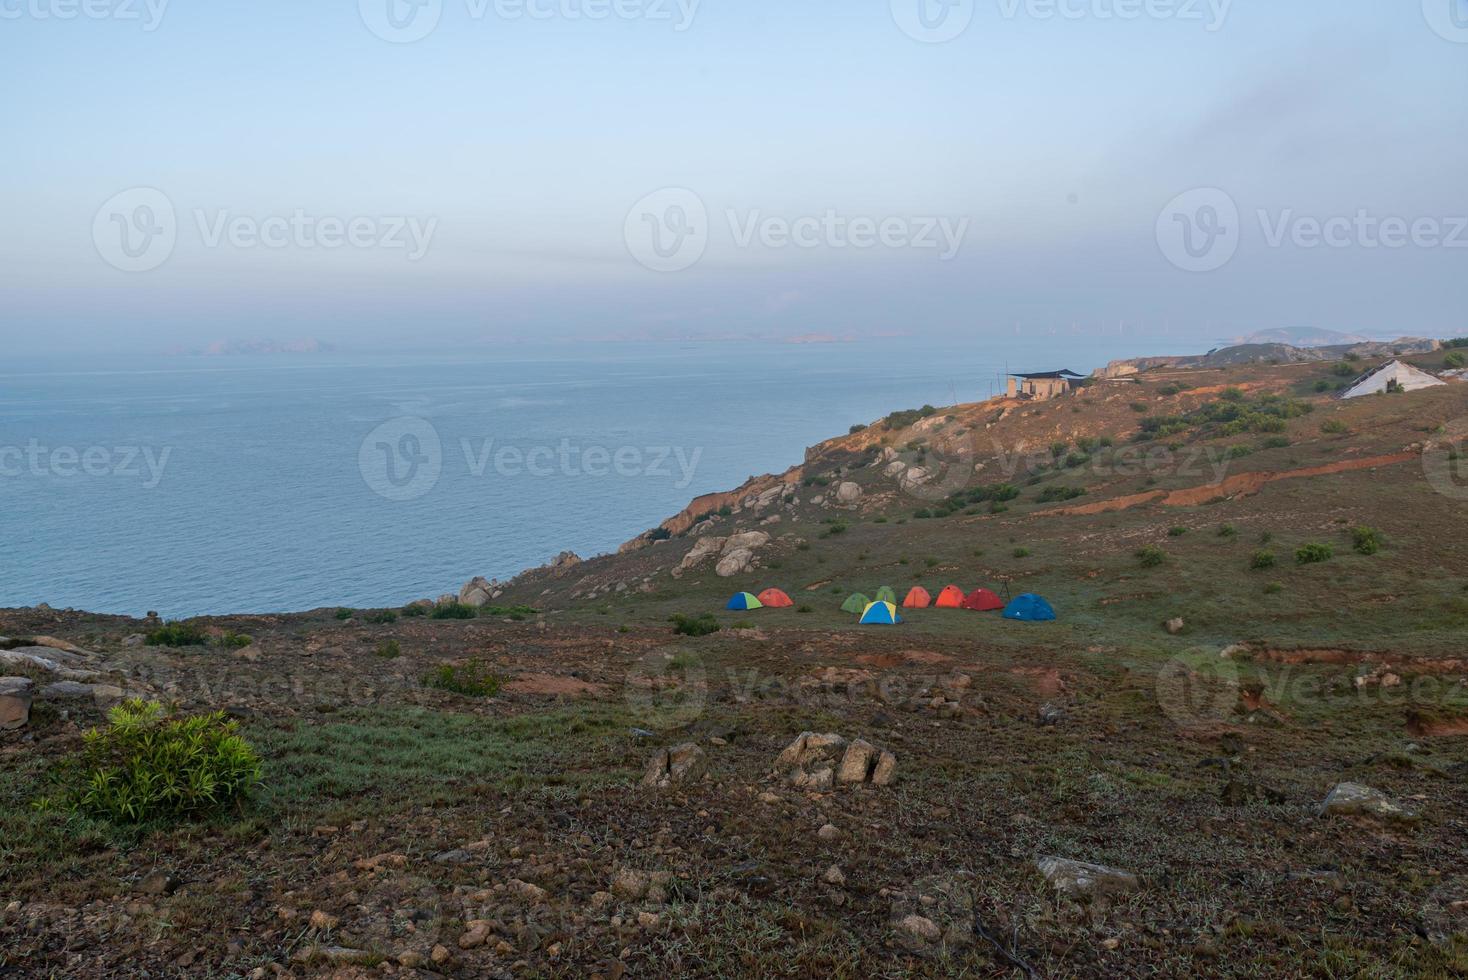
(483, 180)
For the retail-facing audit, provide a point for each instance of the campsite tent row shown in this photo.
(773, 598)
(951, 597)
(1028, 607)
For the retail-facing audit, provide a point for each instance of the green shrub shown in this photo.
(804, 609)
(1311, 553)
(725, 511)
(1021, 552)
(471, 679)
(1276, 442)
(1334, 427)
(701, 625)
(1322, 385)
(1169, 390)
(856, 428)
(517, 613)
(410, 612)
(1273, 588)
(381, 617)
(658, 534)
(1140, 407)
(901, 420)
(1151, 556)
(178, 635)
(388, 650)
(1455, 359)
(1239, 452)
(1344, 369)
(1366, 540)
(234, 641)
(1176, 532)
(344, 614)
(1262, 559)
(1055, 492)
(148, 765)
(839, 527)
(1228, 531)
(453, 610)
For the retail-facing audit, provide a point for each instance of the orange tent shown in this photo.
(983, 600)
(950, 598)
(775, 599)
(918, 598)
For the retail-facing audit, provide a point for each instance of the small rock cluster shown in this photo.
(817, 761)
(1356, 800)
(735, 553)
(676, 765)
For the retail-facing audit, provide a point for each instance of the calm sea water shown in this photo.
(252, 484)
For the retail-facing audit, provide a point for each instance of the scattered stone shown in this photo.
(1086, 882)
(1049, 715)
(934, 913)
(834, 876)
(477, 936)
(768, 797)
(135, 640)
(456, 856)
(16, 696)
(380, 861)
(322, 921)
(75, 691)
(676, 765)
(857, 763)
(649, 920)
(886, 770)
(847, 493)
(440, 955)
(810, 762)
(1174, 626)
(920, 928)
(630, 885)
(1354, 799)
(158, 883)
(335, 955)
(829, 832)
(533, 894)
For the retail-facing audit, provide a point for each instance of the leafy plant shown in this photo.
(410, 612)
(1151, 556)
(234, 641)
(453, 610)
(147, 765)
(178, 635)
(1454, 359)
(1228, 531)
(343, 614)
(701, 625)
(1312, 553)
(1334, 427)
(1021, 552)
(1262, 559)
(471, 679)
(1055, 492)
(1366, 540)
(382, 617)
(1176, 532)
(388, 650)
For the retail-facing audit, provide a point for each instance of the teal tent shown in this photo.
(1029, 608)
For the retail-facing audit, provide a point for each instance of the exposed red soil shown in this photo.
(1047, 680)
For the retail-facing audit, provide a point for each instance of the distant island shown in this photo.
(234, 348)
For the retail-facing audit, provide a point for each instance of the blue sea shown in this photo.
(271, 483)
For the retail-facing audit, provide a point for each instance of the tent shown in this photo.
(856, 603)
(1394, 374)
(917, 598)
(983, 600)
(950, 598)
(885, 594)
(775, 599)
(880, 614)
(743, 600)
(1028, 608)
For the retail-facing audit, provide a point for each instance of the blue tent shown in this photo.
(743, 600)
(1028, 608)
(880, 614)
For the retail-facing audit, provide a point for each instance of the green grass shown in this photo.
(471, 679)
(453, 610)
(178, 635)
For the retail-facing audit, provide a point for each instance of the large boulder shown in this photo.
(705, 547)
(734, 563)
(16, 696)
(847, 493)
(816, 761)
(1354, 799)
(566, 559)
(750, 540)
(676, 765)
(476, 592)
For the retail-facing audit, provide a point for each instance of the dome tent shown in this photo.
(775, 599)
(885, 594)
(983, 600)
(743, 600)
(917, 598)
(950, 598)
(1029, 608)
(856, 603)
(880, 614)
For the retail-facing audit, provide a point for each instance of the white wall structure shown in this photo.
(1405, 375)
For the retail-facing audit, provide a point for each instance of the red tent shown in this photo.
(918, 598)
(775, 599)
(950, 598)
(983, 600)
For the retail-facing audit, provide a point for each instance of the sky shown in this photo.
(399, 173)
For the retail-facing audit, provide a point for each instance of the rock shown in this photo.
(675, 765)
(815, 781)
(894, 468)
(566, 559)
(1236, 651)
(915, 476)
(829, 832)
(533, 894)
(847, 493)
(1354, 799)
(74, 690)
(649, 920)
(630, 885)
(885, 771)
(16, 696)
(157, 883)
(476, 592)
(856, 764)
(1050, 715)
(380, 861)
(1174, 626)
(752, 540)
(440, 955)
(477, 936)
(49, 661)
(734, 563)
(456, 856)
(335, 955)
(135, 640)
(1086, 882)
(920, 928)
(834, 876)
(322, 921)
(702, 548)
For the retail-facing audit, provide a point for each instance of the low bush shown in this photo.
(382, 617)
(178, 635)
(1262, 559)
(1053, 493)
(472, 679)
(234, 641)
(1228, 531)
(453, 610)
(901, 420)
(1366, 540)
(1334, 427)
(1454, 359)
(344, 614)
(1021, 552)
(148, 765)
(1176, 532)
(1274, 442)
(389, 650)
(410, 612)
(1151, 556)
(1312, 553)
(701, 625)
